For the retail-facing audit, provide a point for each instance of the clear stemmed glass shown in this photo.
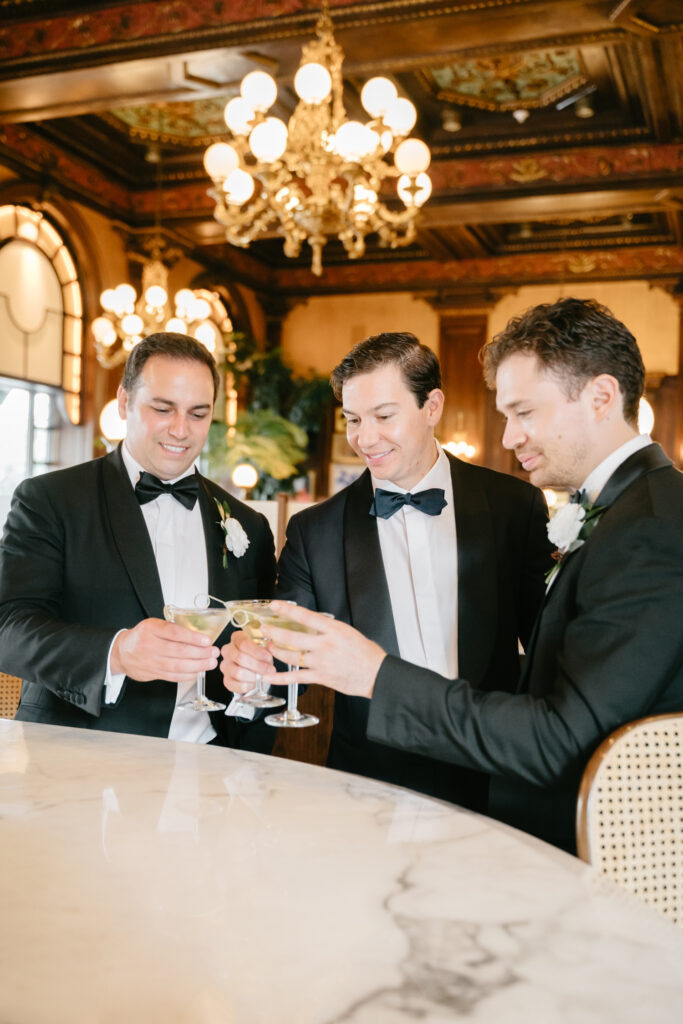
(291, 717)
(249, 615)
(209, 621)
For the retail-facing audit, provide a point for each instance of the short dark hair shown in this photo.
(175, 346)
(417, 363)
(576, 339)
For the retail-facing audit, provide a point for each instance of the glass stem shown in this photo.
(200, 686)
(292, 697)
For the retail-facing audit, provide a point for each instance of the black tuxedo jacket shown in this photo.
(76, 566)
(332, 562)
(607, 649)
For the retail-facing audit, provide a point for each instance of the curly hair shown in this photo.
(417, 363)
(576, 339)
(165, 343)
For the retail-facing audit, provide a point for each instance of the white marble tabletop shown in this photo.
(146, 880)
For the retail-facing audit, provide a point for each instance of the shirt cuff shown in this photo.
(113, 683)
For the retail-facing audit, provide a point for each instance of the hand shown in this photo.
(156, 649)
(242, 661)
(337, 656)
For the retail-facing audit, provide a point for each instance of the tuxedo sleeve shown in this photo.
(536, 562)
(295, 578)
(37, 643)
(620, 657)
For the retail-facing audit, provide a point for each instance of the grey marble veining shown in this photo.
(146, 880)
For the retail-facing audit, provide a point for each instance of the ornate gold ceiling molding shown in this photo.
(173, 26)
(640, 263)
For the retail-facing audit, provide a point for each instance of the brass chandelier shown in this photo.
(127, 319)
(320, 175)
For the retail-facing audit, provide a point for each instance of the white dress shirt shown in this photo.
(420, 558)
(177, 536)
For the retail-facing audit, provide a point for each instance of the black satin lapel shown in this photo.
(477, 573)
(366, 582)
(130, 534)
(222, 581)
(642, 461)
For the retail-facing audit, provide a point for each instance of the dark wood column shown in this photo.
(470, 414)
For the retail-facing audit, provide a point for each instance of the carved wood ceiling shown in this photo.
(114, 104)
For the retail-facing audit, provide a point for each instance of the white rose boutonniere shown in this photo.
(570, 528)
(236, 539)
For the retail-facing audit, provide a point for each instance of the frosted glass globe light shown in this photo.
(377, 95)
(108, 300)
(238, 116)
(259, 90)
(206, 334)
(244, 475)
(183, 300)
(268, 140)
(401, 116)
(124, 297)
(412, 156)
(238, 188)
(103, 330)
(220, 160)
(156, 296)
(646, 417)
(312, 83)
(132, 324)
(176, 326)
(423, 185)
(111, 424)
(199, 309)
(354, 140)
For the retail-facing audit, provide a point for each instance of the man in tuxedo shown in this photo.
(438, 561)
(607, 647)
(91, 554)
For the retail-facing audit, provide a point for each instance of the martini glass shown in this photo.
(209, 621)
(291, 717)
(249, 615)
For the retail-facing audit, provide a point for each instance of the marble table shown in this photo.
(147, 880)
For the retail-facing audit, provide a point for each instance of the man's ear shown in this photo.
(434, 405)
(605, 396)
(122, 401)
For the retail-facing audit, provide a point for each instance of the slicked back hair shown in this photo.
(174, 346)
(418, 364)
(576, 340)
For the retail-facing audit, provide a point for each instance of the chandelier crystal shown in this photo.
(320, 175)
(127, 319)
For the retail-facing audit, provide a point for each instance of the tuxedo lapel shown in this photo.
(368, 593)
(477, 573)
(223, 581)
(130, 534)
(643, 461)
(215, 539)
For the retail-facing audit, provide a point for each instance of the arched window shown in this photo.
(41, 306)
(41, 334)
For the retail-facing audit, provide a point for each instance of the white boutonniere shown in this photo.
(236, 539)
(569, 529)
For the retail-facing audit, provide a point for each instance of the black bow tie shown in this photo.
(150, 487)
(578, 498)
(385, 503)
